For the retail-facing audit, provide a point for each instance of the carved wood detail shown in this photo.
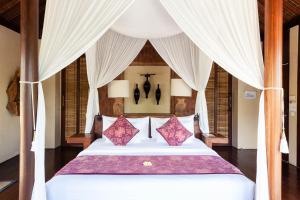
(13, 94)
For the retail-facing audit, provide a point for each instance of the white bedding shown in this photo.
(150, 187)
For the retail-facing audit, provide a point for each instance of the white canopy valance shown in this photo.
(227, 31)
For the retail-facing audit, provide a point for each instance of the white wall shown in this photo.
(9, 62)
(293, 64)
(244, 116)
(52, 94)
(9, 124)
(245, 112)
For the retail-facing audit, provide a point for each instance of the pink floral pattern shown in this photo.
(174, 132)
(154, 165)
(121, 131)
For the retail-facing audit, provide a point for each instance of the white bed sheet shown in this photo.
(150, 187)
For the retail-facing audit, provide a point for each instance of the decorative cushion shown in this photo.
(186, 121)
(140, 123)
(174, 132)
(121, 131)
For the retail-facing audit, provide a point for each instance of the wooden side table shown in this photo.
(211, 139)
(84, 139)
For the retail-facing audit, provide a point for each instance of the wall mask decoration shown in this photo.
(136, 94)
(147, 85)
(13, 94)
(157, 94)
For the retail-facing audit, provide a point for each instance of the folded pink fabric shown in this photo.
(130, 165)
(174, 132)
(121, 131)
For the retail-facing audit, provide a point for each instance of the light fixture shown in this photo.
(180, 89)
(118, 89)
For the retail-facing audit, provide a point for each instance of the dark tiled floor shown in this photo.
(244, 159)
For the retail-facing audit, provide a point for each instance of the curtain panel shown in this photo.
(70, 28)
(228, 32)
(192, 65)
(107, 59)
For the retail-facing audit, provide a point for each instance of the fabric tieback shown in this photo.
(31, 83)
(283, 142)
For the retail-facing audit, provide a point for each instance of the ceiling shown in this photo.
(10, 13)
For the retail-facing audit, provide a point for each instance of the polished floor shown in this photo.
(244, 159)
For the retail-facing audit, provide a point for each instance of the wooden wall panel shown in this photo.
(149, 57)
(210, 96)
(84, 89)
(70, 99)
(222, 102)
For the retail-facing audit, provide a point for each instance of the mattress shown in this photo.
(150, 187)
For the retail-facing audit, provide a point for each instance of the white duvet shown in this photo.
(150, 187)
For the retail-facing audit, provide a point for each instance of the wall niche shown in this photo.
(148, 105)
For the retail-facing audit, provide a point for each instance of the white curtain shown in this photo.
(70, 28)
(191, 64)
(228, 32)
(107, 59)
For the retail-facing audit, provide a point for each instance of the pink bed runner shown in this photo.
(152, 165)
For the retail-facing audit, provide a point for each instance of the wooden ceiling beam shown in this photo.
(6, 6)
(293, 22)
(9, 25)
(12, 13)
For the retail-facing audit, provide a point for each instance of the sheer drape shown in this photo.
(228, 32)
(107, 59)
(191, 64)
(70, 28)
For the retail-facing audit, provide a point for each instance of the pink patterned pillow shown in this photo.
(121, 131)
(174, 132)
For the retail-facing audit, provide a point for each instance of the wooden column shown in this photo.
(273, 78)
(29, 72)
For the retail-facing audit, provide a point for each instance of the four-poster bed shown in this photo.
(63, 42)
(132, 181)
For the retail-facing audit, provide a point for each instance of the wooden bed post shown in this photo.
(273, 78)
(29, 72)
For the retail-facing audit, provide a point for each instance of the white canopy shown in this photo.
(146, 19)
(227, 31)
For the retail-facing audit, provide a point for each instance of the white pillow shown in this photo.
(140, 123)
(187, 122)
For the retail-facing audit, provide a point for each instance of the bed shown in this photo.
(149, 187)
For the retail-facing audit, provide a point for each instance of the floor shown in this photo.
(244, 159)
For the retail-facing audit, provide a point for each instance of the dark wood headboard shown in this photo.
(97, 126)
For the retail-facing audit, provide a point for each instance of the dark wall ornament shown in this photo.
(157, 94)
(136, 94)
(147, 85)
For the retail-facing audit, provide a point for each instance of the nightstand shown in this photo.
(84, 139)
(211, 139)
